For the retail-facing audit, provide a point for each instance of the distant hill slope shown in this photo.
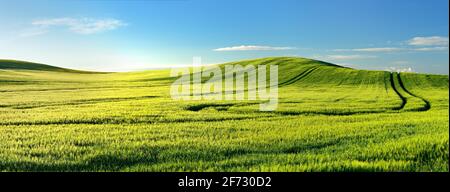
(24, 65)
(292, 69)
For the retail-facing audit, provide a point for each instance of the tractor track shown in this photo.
(404, 99)
(427, 103)
(298, 77)
(286, 83)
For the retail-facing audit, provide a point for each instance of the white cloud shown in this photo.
(347, 57)
(373, 49)
(392, 49)
(429, 41)
(431, 49)
(379, 49)
(81, 26)
(400, 69)
(252, 48)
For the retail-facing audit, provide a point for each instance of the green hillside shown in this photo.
(23, 65)
(329, 118)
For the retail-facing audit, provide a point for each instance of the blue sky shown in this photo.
(115, 35)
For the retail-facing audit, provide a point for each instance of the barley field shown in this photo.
(329, 118)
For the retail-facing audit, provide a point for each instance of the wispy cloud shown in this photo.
(431, 49)
(253, 48)
(80, 25)
(344, 57)
(429, 41)
(400, 69)
(393, 49)
(373, 49)
(415, 44)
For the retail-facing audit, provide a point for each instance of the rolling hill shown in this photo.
(24, 65)
(329, 118)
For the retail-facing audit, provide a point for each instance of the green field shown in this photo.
(329, 118)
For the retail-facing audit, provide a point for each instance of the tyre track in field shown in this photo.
(427, 105)
(288, 82)
(298, 77)
(404, 100)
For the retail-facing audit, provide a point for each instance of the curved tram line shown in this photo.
(427, 104)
